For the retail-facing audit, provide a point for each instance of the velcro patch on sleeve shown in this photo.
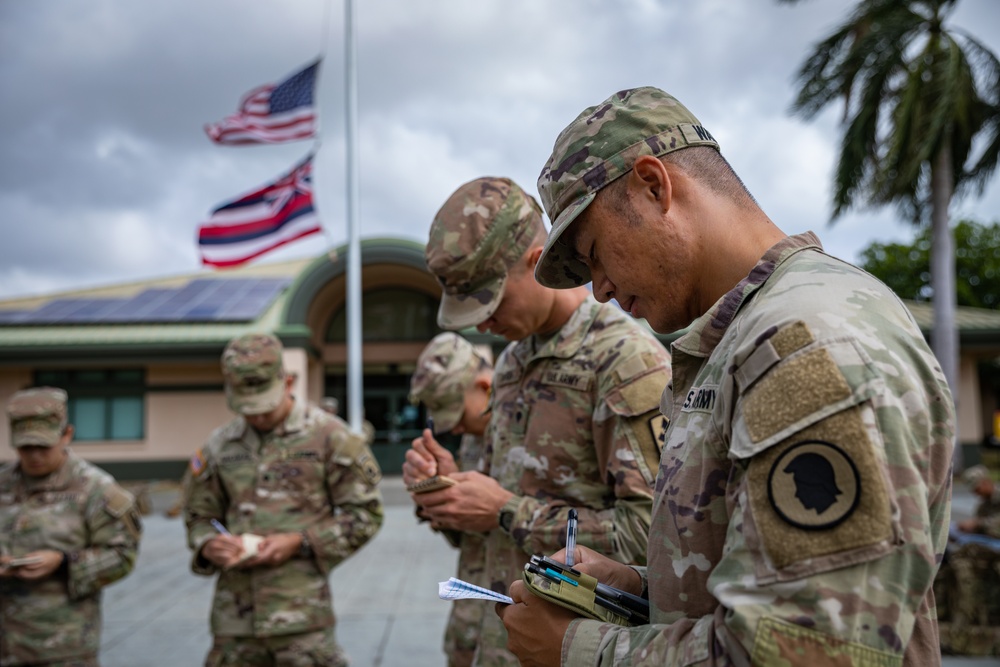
(641, 395)
(792, 391)
(368, 468)
(820, 492)
(780, 643)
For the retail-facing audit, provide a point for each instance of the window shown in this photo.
(390, 314)
(103, 404)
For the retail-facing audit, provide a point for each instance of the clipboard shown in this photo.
(435, 483)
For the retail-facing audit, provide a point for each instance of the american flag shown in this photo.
(272, 114)
(276, 214)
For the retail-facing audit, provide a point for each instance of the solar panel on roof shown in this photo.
(200, 300)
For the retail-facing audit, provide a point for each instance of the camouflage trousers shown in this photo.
(309, 649)
(462, 632)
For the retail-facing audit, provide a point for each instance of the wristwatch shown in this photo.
(506, 515)
(305, 549)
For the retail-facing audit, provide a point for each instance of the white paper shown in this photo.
(456, 589)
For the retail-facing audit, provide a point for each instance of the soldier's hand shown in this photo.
(223, 550)
(535, 627)
(471, 505)
(969, 525)
(603, 569)
(47, 563)
(426, 458)
(276, 549)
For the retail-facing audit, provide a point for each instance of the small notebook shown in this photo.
(456, 589)
(435, 483)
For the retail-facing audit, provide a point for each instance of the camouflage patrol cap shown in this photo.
(483, 229)
(37, 416)
(976, 474)
(445, 370)
(254, 374)
(601, 145)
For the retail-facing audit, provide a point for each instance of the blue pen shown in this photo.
(570, 537)
(560, 575)
(219, 527)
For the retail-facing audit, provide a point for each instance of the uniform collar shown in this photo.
(706, 331)
(57, 480)
(567, 340)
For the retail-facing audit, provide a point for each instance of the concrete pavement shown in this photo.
(385, 596)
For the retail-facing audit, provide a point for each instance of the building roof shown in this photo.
(199, 312)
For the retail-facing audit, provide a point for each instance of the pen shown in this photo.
(430, 424)
(219, 527)
(570, 536)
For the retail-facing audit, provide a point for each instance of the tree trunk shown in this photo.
(945, 336)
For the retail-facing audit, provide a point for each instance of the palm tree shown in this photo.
(920, 97)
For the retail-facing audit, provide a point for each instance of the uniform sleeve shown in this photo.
(352, 477)
(838, 504)
(114, 528)
(204, 500)
(628, 431)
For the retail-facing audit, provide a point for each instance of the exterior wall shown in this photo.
(970, 406)
(11, 380)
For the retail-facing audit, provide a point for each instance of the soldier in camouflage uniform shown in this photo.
(574, 419)
(803, 494)
(970, 574)
(453, 380)
(296, 476)
(73, 527)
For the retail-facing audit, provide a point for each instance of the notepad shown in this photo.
(435, 483)
(456, 589)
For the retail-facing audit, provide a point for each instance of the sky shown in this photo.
(106, 172)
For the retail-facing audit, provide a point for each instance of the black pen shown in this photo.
(570, 536)
(430, 424)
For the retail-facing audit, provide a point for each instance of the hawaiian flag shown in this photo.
(272, 114)
(263, 220)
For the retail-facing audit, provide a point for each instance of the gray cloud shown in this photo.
(105, 171)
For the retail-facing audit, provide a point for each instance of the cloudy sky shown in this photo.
(105, 171)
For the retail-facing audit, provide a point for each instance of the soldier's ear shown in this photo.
(650, 182)
(532, 257)
(67, 435)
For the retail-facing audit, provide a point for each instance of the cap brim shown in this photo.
(257, 403)
(35, 438)
(446, 419)
(558, 266)
(459, 312)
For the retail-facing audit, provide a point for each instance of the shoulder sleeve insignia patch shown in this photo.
(658, 425)
(814, 485)
(820, 494)
(197, 463)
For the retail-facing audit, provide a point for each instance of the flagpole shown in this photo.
(355, 404)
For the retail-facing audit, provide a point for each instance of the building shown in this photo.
(141, 361)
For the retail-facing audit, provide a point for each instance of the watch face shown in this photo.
(506, 518)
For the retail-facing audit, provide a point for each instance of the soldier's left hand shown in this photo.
(275, 549)
(49, 562)
(471, 505)
(535, 627)
(969, 525)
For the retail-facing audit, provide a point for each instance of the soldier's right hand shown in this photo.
(427, 458)
(45, 562)
(223, 550)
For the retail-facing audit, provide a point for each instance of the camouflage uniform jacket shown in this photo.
(310, 474)
(81, 511)
(575, 423)
(462, 631)
(803, 496)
